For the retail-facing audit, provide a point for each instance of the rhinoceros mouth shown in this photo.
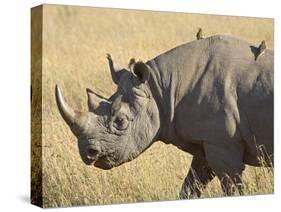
(103, 163)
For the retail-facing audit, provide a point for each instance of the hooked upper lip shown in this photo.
(92, 154)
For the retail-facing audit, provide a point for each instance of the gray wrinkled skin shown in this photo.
(209, 97)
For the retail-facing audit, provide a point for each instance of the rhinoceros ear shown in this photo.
(115, 71)
(142, 71)
(94, 100)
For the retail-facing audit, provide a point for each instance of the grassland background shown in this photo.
(75, 41)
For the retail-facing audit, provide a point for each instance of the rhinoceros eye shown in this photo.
(121, 123)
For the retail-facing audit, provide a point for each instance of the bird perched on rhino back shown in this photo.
(199, 34)
(261, 49)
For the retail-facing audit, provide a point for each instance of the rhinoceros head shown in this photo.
(116, 130)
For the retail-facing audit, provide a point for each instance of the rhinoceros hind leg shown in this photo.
(199, 175)
(227, 163)
(232, 185)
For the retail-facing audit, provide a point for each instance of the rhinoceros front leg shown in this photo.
(197, 178)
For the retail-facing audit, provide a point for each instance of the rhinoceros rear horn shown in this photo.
(94, 100)
(75, 120)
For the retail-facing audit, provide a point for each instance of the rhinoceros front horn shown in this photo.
(75, 120)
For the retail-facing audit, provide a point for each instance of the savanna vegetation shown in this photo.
(75, 42)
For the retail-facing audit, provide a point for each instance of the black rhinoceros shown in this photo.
(208, 97)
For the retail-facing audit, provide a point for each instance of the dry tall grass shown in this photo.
(75, 41)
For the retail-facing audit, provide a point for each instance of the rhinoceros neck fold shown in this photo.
(174, 75)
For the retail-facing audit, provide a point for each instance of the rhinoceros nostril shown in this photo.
(92, 153)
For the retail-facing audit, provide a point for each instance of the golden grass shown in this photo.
(75, 41)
